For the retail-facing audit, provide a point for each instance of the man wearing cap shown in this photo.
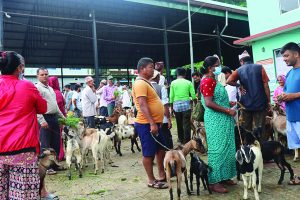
(159, 66)
(149, 117)
(256, 93)
(102, 102)
(89, 101)
(109, 95)
(180, 92)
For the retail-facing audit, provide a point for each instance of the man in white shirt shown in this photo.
(76, 100)
(89, 102)
(159, 66)
(163, 95)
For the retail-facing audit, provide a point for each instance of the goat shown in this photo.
(46, 159)
(279, 125)
(123, 120)
(103, 149)
(201, 170)
(273, 150)
(175, 164)
(89, 140)
(122, 132)
(115, 116)
(250, 160)
(73, 151)
(130, 116)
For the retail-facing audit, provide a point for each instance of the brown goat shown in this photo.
(115, 116)
(175, 164)
(46, 159)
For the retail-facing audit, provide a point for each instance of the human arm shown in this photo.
(92, 96)
(266, 80)
(211, 104)
(233, 78)
(290, 96)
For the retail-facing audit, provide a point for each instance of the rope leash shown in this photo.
(159, 142)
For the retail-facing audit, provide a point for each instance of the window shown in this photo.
(288, 5)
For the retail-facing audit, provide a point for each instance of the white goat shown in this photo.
(103, 148)
(250, 159)
(73, 151)
(90, 139)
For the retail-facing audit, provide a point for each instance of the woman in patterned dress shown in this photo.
(20, 102)
(219, 125)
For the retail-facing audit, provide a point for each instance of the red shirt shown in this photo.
(20, 102)
(207, 87)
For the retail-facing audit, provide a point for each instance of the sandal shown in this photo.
(158, 185)
(295, 181)
(50, 197)
(51, 172)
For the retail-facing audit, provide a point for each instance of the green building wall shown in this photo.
(265, 15)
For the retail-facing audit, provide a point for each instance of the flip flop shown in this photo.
(51, 172)
(158, 185)
(50, 197)
(295, 181)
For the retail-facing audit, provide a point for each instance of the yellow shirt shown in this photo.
(142, 88)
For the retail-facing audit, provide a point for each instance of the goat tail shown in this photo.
(172, 165)
(257, 144)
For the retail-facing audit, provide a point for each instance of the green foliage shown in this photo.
(116, 93)
(197, 66)
(242, 3)
(70, 121)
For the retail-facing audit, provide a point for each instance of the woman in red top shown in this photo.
(53, 82)
(219, 126)
(20, 102)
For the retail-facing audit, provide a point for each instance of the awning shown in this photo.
(267, 34)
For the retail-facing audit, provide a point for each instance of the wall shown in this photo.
(269, 45)
(265, 15)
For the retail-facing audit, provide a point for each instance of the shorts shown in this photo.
(149, 145)
(293, 134)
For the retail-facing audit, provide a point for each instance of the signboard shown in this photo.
(268, 65)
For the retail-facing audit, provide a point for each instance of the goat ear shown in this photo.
(239, 157)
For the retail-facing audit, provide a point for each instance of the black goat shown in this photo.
(200, 169)
(273, 150)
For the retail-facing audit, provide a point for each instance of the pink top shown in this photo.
(53, 82)
(20, 102)
(279, 91)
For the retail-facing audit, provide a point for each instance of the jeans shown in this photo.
(50, 137)
(90, 121)
(183, 120)
(103, 111)
(110, 108)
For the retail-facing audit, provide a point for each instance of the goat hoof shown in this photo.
(279, 182)
(80, 175)
(132, 151)
(121, 154)
(102, 171)
(70, 178)
(139, 150)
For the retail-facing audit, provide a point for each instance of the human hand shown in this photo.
(232, 103)
(44, 125)
(154, 129)
(243, 90)
(231, 112)
(169, 124)
(287, 97)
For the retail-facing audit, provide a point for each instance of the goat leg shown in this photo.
(168, 177)
(254, 186)
(186, 183)
(119, 147)
(289, 168)
(179, 179)
(203, 182)
(137, 145)
(198, 184)
(191, 180)
(207, 184)
(282, 171)
(245, 186)
(132, 143)
(238, 172)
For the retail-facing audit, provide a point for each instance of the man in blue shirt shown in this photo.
(291, 95)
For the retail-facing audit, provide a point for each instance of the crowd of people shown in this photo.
(29, 114)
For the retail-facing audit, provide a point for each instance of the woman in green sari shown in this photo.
(219, 126)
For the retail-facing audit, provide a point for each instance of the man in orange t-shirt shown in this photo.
(148, 121)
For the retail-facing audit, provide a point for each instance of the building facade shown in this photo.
(273, 23)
